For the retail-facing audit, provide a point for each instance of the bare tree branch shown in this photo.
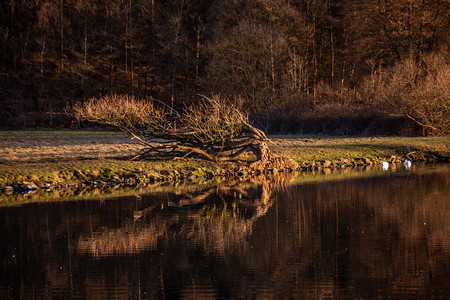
(213, 129)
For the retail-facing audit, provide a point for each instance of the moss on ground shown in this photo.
(49, 157)
(309, 149)
(105, 170)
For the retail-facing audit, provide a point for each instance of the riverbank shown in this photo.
(54, 159)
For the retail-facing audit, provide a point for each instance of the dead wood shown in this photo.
(213, 129)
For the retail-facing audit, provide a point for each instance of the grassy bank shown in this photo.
(315, 149)
(64, 157)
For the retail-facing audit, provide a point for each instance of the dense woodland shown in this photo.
(297, 66)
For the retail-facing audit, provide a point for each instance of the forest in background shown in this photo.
(297, 66)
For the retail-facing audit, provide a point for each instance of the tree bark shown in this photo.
(61, 28)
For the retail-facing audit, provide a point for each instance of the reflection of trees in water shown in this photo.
(218, 229)
(387, 233)
(415, 205)
(217, 218)
(128, 239)
(361, 238)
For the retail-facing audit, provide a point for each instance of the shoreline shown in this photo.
(59, 159)
(104, 177)
(109, 191)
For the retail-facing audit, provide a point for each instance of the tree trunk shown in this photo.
(61, 31)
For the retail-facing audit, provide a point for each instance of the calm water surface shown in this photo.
(384, 236)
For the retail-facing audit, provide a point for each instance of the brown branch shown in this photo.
(213, 129)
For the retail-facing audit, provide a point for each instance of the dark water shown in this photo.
(386, 236)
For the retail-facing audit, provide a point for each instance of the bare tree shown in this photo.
(249, 62)
(418, 90)
(213, 129)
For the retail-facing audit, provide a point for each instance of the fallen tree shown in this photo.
(213, 129)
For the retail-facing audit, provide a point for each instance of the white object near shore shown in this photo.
(407, 164)
(385, 165)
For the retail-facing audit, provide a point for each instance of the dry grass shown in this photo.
(26, 146)
(63, 145)
(52, 156)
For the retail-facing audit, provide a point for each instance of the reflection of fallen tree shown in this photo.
(128, 239)
(253, 195)
(217, 218)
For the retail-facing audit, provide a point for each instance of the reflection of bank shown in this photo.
(219, 218)
(383, 236)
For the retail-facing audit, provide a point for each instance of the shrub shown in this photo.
(419, 90)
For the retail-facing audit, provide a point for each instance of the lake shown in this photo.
(374, 234)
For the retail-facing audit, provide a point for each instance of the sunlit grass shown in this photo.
(56, 145)
(316, 148)
(104, 169)
(52, 156)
